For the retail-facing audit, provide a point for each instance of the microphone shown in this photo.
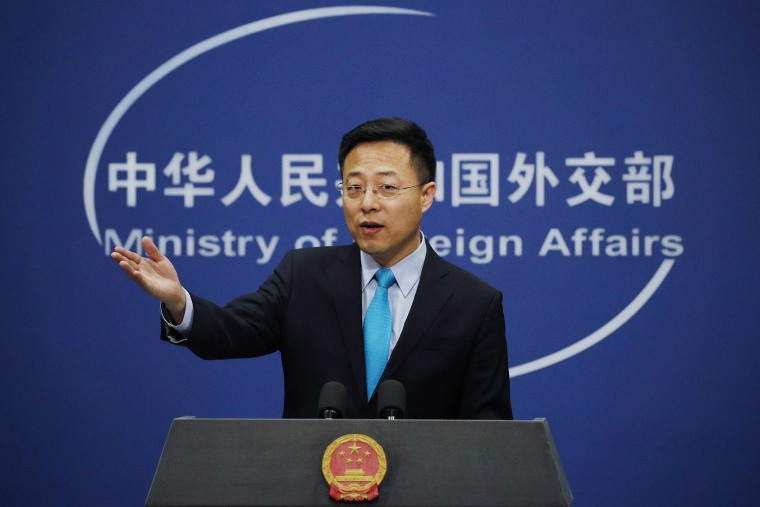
(332, 401)
(391, 398)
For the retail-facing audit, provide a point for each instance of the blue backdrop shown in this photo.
(597, 163)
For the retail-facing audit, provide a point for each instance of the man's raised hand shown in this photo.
(155, 274)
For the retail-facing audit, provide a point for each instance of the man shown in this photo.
(445, 338)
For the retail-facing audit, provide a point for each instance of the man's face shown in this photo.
(386, 229)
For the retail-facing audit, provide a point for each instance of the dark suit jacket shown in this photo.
(451, 356)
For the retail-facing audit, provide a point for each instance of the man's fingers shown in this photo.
(130, 269)
(145, 271)
(151, 249)
(126, 261)
(120, 253)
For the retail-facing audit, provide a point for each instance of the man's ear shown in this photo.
(428, 195)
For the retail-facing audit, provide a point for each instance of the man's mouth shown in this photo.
(370, 226)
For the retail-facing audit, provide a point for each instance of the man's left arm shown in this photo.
(485, 390)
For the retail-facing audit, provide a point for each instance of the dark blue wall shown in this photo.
(631, 296)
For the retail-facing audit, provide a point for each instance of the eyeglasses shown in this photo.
(383, 190)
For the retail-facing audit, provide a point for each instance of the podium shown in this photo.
(430, 463)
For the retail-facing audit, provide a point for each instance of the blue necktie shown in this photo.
(377, 330)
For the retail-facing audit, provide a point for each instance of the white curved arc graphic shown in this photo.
(603, 332)
(185, 56)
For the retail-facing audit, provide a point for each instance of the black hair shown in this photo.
(398, 130)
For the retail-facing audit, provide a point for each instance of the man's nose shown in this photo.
(369, 200)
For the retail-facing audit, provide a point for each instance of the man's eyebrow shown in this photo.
(380, 173)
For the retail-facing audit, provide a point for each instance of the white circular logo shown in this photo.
(207, 45)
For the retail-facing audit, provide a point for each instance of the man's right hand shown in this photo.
(155, 274)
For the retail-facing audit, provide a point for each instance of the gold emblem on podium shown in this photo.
(354, 466)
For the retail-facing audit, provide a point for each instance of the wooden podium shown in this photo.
(430, 463)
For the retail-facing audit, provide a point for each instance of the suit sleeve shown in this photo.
(248, 326)
(485, 390)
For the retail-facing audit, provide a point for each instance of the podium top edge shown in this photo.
(537, 420)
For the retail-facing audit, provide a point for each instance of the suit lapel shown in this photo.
(344, 278)
(432, 294)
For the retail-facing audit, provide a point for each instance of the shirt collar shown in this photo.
(407, 271)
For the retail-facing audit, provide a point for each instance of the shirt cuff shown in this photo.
(175, 331)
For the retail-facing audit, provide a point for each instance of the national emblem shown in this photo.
(354, 466)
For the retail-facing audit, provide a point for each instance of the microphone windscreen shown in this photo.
(391, 399)
(332, 398)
